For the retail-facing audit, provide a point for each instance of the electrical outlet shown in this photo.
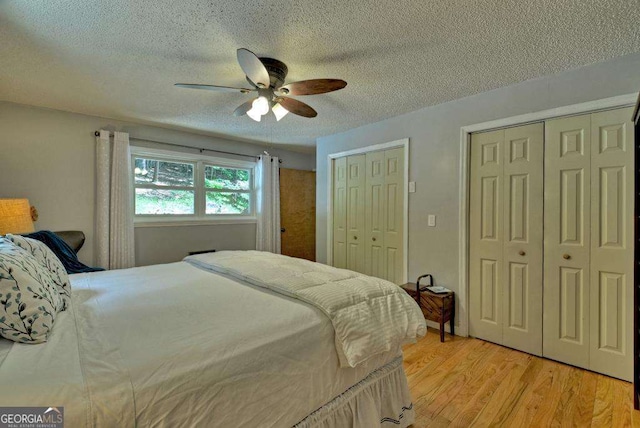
(412, 187)
(431, 220)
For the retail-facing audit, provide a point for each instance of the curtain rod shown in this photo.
(202, 149)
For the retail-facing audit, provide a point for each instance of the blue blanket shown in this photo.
(63, 251)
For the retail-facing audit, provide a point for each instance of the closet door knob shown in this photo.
(522, 253)
(373, 239)
(355, 237)
(566, 256)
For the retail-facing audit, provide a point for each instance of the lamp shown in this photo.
(253, 114)
(279, 111)
(15, 216)
(259, 108)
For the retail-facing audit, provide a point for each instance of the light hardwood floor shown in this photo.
(469, 382)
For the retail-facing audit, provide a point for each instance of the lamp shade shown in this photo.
(15, 216)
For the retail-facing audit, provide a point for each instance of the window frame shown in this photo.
(199, 162)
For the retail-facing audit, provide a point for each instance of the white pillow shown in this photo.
(49, 260)
(29, 300)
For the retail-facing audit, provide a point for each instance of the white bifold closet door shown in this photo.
(368, 213)
(505, 237)
(588, 294)
(577, 218)
(567, 239)
(356, 209)
(375, 263)
(340, 213)
(393, 220)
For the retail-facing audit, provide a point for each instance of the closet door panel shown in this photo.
(611, 291)
(486, 230)
(375, 205)
(340, 213)
(394, 179)
(356, 213)
(567, 239)
(522, 266)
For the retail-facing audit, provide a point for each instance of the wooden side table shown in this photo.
(436, 307)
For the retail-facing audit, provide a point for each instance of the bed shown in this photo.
(181, 345)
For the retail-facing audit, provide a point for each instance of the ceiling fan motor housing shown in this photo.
(277, 71)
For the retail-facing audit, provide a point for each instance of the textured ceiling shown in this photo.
(120, 58)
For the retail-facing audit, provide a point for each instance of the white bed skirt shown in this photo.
(381, 399)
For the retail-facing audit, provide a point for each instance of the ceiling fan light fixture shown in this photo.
(261, 105)
(279, 111)
(253, 114)
(259, 108)
(266, 77)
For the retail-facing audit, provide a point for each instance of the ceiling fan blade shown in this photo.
(243, 108)
(297, 107)
(253, 68)
(213, 87)
(313, 87)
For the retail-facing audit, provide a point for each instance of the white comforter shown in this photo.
(174, 345)
(370, 315)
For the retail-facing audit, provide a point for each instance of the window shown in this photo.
(164, 187)
(190, 188)
(228, 190)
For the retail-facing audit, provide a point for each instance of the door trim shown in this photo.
(402, 143)
(620, 101)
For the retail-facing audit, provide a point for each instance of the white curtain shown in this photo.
(268, 204)
(114, 202)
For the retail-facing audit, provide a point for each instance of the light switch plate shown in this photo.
(412, 187)
(431, 220)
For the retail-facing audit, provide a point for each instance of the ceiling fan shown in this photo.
(266, 76)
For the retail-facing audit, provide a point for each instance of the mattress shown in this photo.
(174, 345)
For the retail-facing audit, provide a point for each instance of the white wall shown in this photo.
(434, 134)
(48, 156)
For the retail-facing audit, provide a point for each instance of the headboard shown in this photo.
(73, 238)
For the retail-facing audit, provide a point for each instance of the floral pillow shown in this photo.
(29, 299)
(49, 260)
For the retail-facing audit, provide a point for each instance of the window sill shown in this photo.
(164, 222)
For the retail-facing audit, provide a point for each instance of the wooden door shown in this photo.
(375, 206)
(340, 213)
(486, 236)
(611, 294)
(522, 253)
(298, 213)
(356, 213)
(394, 181)
(567, 232)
